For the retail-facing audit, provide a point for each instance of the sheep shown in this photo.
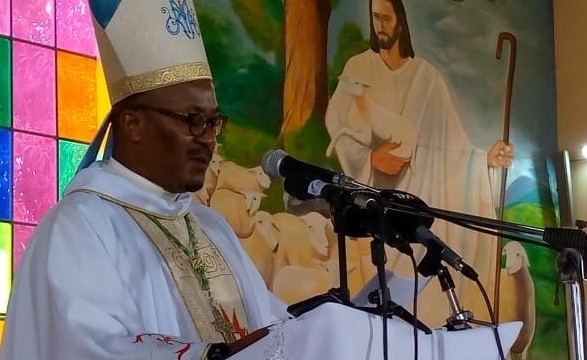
(261, 245)
(203, 195)
(517, 296)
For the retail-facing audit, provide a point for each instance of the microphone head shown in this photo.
(271, 161)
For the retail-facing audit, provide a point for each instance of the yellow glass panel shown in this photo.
(76, 97)
(102, 94)
(103, 106)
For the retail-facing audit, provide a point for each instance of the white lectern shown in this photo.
(337, 332)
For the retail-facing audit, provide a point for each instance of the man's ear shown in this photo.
(132, 124)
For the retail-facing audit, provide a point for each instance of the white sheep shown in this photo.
(517, 296)
(203, 195)
(261, 245)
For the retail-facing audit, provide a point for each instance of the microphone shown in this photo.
(361, 198)
(437, 247)
(414, 228)
(305, 181)
(278, 164)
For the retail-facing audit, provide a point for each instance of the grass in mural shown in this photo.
(550, 341)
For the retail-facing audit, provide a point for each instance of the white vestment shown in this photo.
(92, 286)
(411, 106)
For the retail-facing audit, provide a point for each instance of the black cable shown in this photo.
(415, 305)
(494, 324)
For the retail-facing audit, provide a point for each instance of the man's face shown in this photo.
(174, 157)
(384, 23)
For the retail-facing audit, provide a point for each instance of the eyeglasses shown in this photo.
(198, 122)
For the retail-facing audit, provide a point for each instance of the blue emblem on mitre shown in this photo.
(181, 18)
(104, 10)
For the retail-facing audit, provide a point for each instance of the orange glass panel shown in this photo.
(76, 97)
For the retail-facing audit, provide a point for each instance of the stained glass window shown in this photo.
(34, 20)
(35, 177)
(5, 262)
(5, 175)
(74, 27)
(70, 155)
(52, 99)
(5, 82)
(4, 17)
(76, 85)
(33, 88)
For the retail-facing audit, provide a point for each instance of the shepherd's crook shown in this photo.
(506, 139)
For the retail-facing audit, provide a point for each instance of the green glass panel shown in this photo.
(70, 155)
(5, 82)
(5, 264)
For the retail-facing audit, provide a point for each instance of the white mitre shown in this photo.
(145, 45)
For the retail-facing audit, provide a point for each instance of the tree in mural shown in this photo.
(306, 80)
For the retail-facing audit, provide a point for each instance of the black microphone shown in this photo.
(412, 227)
(359, 197)
(437, 247)
(278, 164)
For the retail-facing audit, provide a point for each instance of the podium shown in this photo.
(337, 332)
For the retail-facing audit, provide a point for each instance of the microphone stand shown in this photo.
(344, 215)
(572, 272)
(341, 295)
(431, 265)
(570, 243)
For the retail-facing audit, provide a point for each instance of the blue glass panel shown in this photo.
(5, 174)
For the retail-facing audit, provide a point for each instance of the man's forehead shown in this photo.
(383, 6)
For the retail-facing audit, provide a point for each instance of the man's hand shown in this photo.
(500, 155)
(384, 161)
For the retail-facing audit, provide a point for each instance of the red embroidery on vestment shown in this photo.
(183, 347)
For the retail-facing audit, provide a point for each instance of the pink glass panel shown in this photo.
(35, 177)
(75, 31)
(34, 20)
(22, 235)
(33, 88)
(5, 17)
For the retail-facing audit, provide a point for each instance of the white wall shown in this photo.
(570, 32)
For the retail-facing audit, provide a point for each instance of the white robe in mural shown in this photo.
(92, 286)
(411, 105)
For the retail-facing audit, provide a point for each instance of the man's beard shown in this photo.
(387, 42)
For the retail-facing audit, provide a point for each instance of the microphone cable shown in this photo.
(415, 305)
(494, 324)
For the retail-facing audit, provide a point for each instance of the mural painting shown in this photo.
(407, 96)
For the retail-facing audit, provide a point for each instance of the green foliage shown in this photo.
(265, 31)
(334, 4)
(248, 86)
(253, 95)
(530, 214)
(221, 45)
(244, 145)
(350, 42)
(550, 340)
(310, 143)
(274, 8)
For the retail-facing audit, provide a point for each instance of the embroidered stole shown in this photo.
(204, 280)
